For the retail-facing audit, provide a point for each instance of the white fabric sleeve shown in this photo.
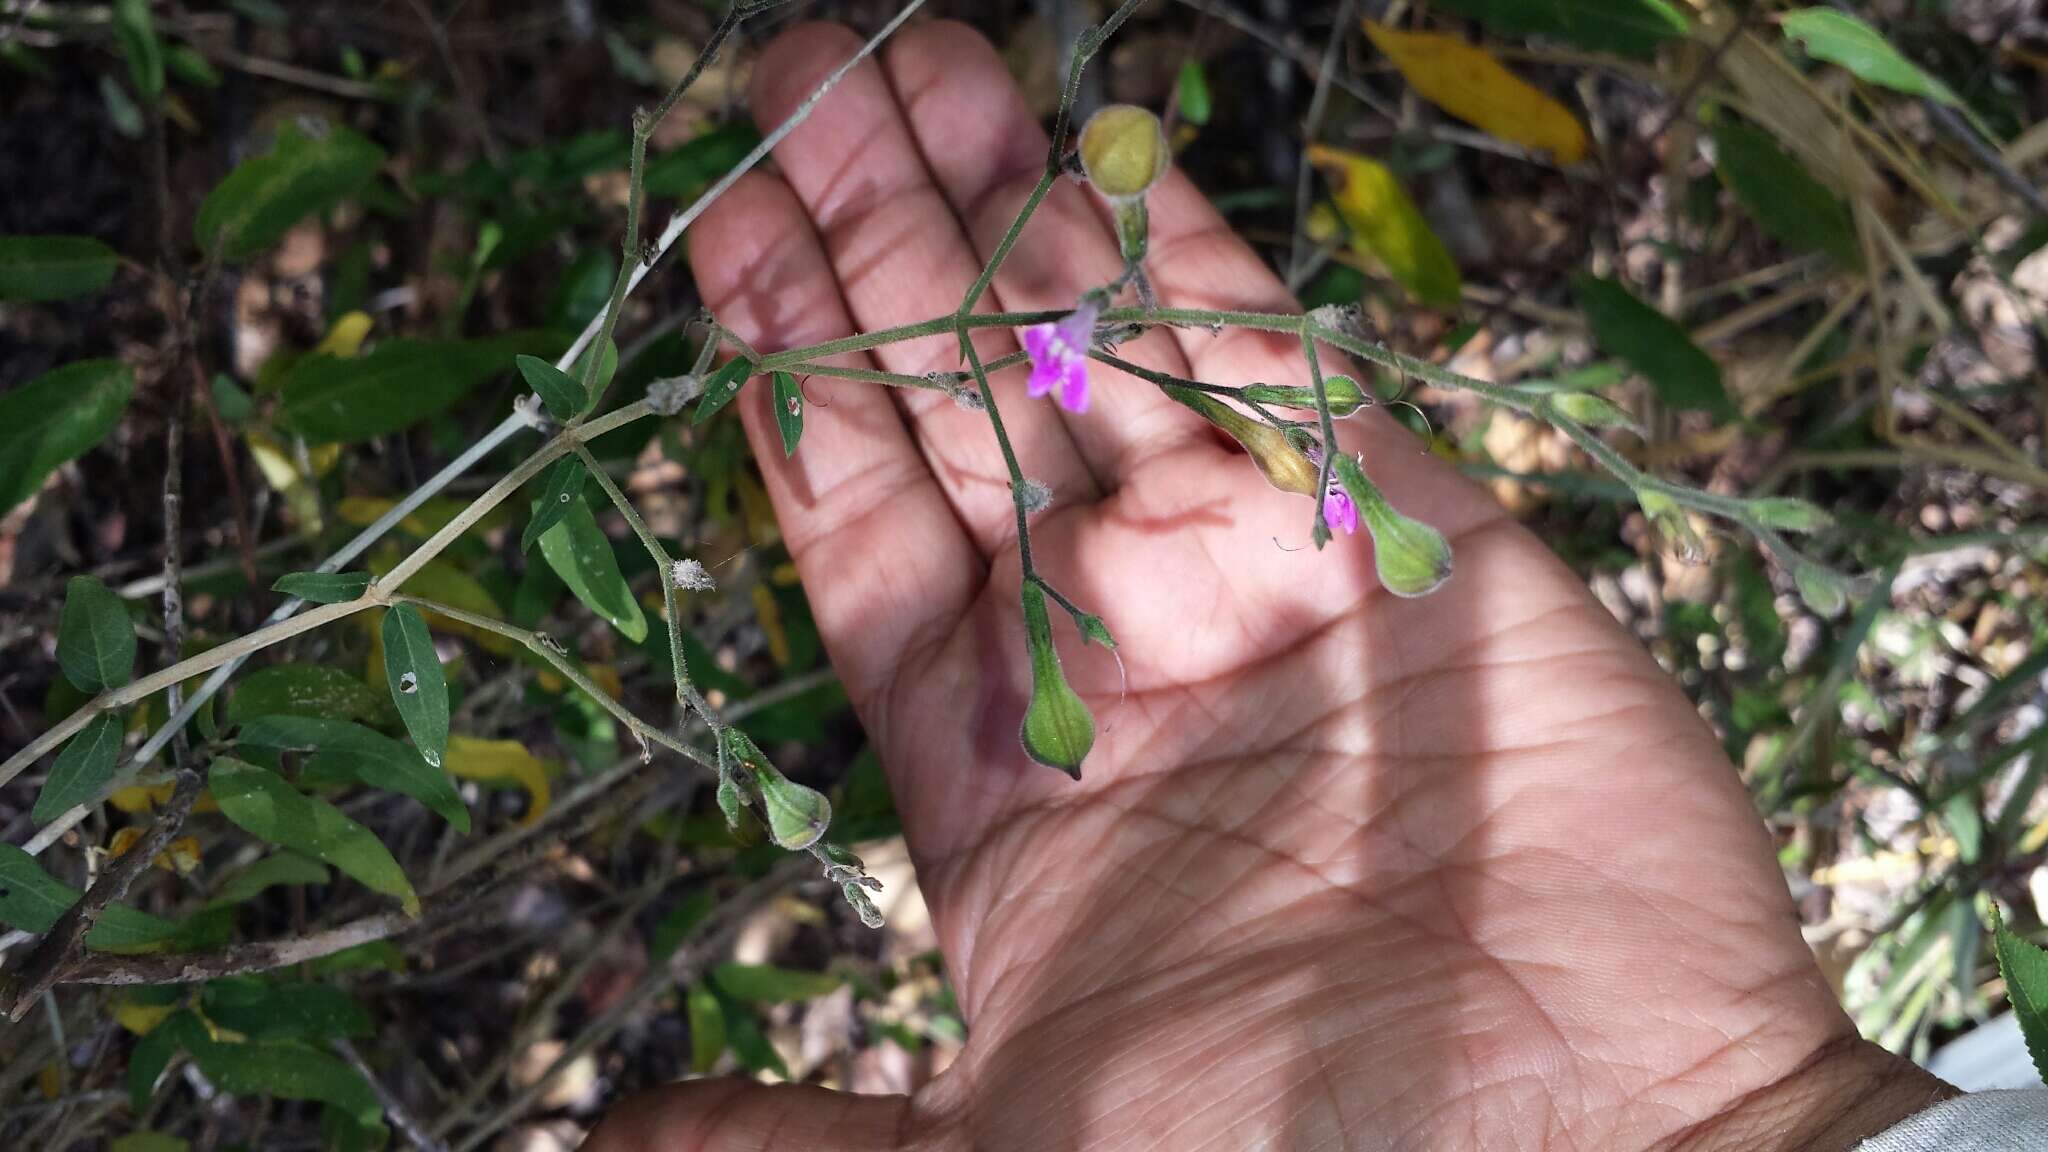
(2010, 1121)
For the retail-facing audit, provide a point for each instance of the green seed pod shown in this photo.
(1123, 151)
(1342, 392)
(1592, 410)
(797, 815)
(1824, 590)
(1412, 558)
(1058, 729)
(1283, 464)
(1789, 514)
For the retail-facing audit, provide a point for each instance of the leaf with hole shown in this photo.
(87, 763)
(1624, 27)
(54, 419)
(343, 752)
(1792, 206)
(581, 554)
(1651, 343)
(789, 411)
(418, 687)
(561, 489)
(36, 268)
(720, 389)
(306, 172)
(32, 900)
(324, 587)
(95, 636)
(266, 806)
(562, 393)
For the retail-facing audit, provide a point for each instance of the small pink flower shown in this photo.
(1059, 356)
(1338, 510)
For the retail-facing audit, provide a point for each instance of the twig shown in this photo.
(401, 1118)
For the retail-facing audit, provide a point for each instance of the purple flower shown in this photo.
(1338, 510)
(1059, 356)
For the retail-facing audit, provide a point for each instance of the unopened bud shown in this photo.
(1343, 393)
(1058, 730)
(1123, 151)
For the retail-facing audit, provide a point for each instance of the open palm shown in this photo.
(1343, 870)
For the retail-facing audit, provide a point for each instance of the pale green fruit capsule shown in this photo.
(1412, 558)
(1789, 514)
(797, 816)
(1284, 465)
(1592, 410)
(1123, 151)
(1342, 392)
(1058, 729)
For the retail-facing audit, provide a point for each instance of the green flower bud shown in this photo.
(1342, 392)
(738, 820)
(1671, 523)
(1123, 151)
(1285, 466)
(1824, 590)
(797, 815)
(1593, 410)
(1788, 514)
(1058, 730)
(1412, 558)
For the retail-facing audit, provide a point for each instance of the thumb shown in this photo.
(733, 1115)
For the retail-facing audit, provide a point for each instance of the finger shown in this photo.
(741, 1116)
(761, 271)
(986, 150)
(901, 258)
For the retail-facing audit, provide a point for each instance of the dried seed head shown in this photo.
(691, 576)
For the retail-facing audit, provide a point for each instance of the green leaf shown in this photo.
(686, 171)
(55, 418)
(188, 65)
(767, 984)
(95, 636)
(351, 752)
(580, 553)
(148, 1142)
(1058, 730)
(285, 1011)
(1195, 104)
(1624, 27)
(266, 806)
(720, 389)
(82, 769)
(328, 399)
(1791, 514)
(1791, 205)
(266, 195)
(375, 956)
(147, 1062)
(2025, 968)
(54, 267)
(32, 900)
(1845, 40)
(1386, 226)
(324, 587)
(561, 392)
(275, 870)
(707, 1028)
(1411, 558)
(1649, 342)
(561, 490)
(677, 923)
(283, 1069)
(748, 1042)
(301, 690)
(137, 34)
(789, 411)
(418, 687)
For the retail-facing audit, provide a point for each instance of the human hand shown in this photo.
(1343, 870)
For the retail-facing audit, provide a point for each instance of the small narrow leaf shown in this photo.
(1624, 27)
(266, 195)
(789, 411)
(581, 554)
(32, 900)
(1845, 40)
(1791, 205)
(55, 418)
(417, 686)
(1058, 729)
(54, 267)
(707, 1028)
(560, 489)
(1651, 343)
(95, 636)
(266, 806)
(324, 587)
(82, 769)
(1386, 226)
(1193, 85)
(562, 393)
(1467, 82)
(1412, 558)
(137, 34)
(767, 984)
(721, 388)
(341, 751)
(2025, 968)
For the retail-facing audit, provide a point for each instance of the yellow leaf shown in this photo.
(1386, 226)
(141, 1019)
(345, 339)
(293, 474)
(501, 762)
(771, 623)
(123, 840)
(180, 856)
(139, 798)
(50, 1080)
(427, 519)
(1469, 83)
